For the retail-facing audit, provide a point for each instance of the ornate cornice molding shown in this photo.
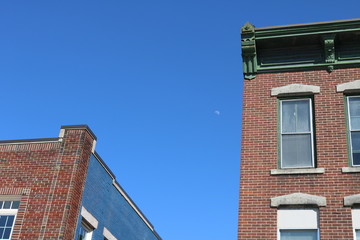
(317, 46)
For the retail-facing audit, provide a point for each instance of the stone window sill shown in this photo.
(297, 171)
(350, 169)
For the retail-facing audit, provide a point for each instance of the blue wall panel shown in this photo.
(110, 208)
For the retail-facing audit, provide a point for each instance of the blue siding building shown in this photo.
(107, 212)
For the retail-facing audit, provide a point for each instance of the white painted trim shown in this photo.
(89, 218)
(298, 199)
(355, 218)
(93, 146)
(62, 133)
(295, 89)
(349, 86)
(297, 171)
(132, 205)
(8, 211)
(10, 198)
(297, 218)
(108, 234)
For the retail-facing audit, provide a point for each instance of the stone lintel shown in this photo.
(353, 86)
(295, 89)
(298, 199)
(351, 200)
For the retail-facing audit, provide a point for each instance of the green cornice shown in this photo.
(249, 50)
(325, 45)
(308, 29)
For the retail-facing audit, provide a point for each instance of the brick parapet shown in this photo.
(49, 176)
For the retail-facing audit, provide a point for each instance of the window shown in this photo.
(8, 211)
(86, 230)
(296, 133)
(298, 224)
(353, 104)
(298, 234)
(355, 212)
(87, 226)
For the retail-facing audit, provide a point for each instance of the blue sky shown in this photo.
(160, 84)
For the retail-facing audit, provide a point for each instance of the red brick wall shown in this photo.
(257, 220)
(50, 176)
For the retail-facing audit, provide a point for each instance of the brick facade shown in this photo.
(49, 175)
(61, 184)
(259, 155)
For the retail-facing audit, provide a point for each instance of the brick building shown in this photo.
(300, 158)
(59, 188)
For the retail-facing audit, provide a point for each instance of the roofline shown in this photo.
(307, 24)
(318, 28)
(125, 195)
(81, 126)
(34, 140)
(56, 139)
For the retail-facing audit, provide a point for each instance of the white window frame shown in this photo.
(311, 132)
(351, 130)
(9, 212)
(88, 222)
(88, 230)
(298, 219)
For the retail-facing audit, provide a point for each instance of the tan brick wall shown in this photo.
(259, 155)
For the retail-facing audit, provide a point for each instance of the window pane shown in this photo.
(15, 205)
(355, 145)
(2, 221)
(298, 234)
(10, 221)
(354, 107)
(295, 116)
(357, 232)
(296, 150)
(7, 204)
(7, 233)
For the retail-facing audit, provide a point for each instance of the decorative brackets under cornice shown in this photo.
(300, 47)
(329, 50)
(248, 48)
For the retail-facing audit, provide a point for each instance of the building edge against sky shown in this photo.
(60, 188)
(300, 157)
